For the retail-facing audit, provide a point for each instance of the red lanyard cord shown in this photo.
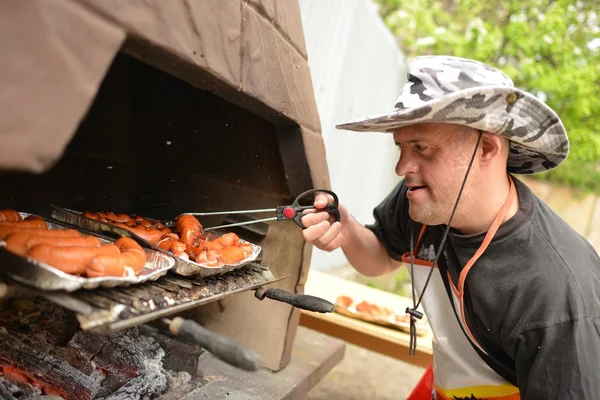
(414, 314)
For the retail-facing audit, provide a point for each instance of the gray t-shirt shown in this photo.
(532, 300)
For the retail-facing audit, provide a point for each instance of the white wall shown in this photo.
(357, 69)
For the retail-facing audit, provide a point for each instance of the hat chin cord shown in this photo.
(414, 314)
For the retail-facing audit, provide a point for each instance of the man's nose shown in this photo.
(406, 164)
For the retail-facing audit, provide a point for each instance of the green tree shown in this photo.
(549, 48)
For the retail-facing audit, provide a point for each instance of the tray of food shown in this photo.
(377, 314)
(48, 255)
(195, 251)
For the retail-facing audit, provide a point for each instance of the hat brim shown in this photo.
(538, 138)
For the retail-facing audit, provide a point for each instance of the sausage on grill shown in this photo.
(173, 246)
(151, 235)
(190, 232)
(133, 254)
(227, 240)
(106, 265)
(231, 255)
(29, 222)
(9, 215)
(7, 230)
(129, 263)
(70, 259)
(19, 242)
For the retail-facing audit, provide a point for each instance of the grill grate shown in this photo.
(105, 310)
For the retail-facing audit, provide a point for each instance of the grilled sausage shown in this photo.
(227, 240)
(129, 263)
(190, 231)
(201, 257)
(246, 248)
(144, 223)
(70, 259)
(183, 255)
(151, 235)
(91, 215)
(135, 259)
(107, 217)
(19, 243)
(209, 258)
(135, 256)
(7, 230)
(171, 235)
(207, 245)
(125, 243)
(173, 246)
(106, 265)
(159, 224)
(84, 241)
(231, 255)
(34, 222)
(10, 215)
(111, 216)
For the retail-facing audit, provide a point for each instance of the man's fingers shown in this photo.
(334, 244)
(314, 232)
(322, 199)
(329, 236)
(324, 235)
(321, 228)
(314, 218)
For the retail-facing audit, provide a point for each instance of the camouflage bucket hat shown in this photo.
(466, 92)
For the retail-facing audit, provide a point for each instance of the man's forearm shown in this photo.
(365, 252)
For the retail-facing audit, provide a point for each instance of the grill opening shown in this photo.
(152, 144)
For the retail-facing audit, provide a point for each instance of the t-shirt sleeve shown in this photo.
(392, 222)
(556, 362)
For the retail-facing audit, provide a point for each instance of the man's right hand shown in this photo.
(321, 228)
(360, 245)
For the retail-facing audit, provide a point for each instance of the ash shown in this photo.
(134, 349)
(149, 355)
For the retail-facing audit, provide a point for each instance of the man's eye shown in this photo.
(420, 147)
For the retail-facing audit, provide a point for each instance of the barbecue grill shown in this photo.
(155, 110)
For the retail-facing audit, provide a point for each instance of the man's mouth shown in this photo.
(416, 188)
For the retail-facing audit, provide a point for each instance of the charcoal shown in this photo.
(122, 365)
(17, 391)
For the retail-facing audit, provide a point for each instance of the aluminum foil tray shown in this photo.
(43, 276)
(182, 266)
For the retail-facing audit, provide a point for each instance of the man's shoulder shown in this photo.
(553, 227)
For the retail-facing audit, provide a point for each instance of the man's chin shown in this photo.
(426, 217)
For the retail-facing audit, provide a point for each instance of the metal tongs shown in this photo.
(293, 211)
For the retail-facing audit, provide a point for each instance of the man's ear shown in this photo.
(491, 147)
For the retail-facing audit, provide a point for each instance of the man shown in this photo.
(513, 297)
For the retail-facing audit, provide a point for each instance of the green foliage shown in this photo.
(549, 48)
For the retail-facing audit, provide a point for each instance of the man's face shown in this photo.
(434, 159)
